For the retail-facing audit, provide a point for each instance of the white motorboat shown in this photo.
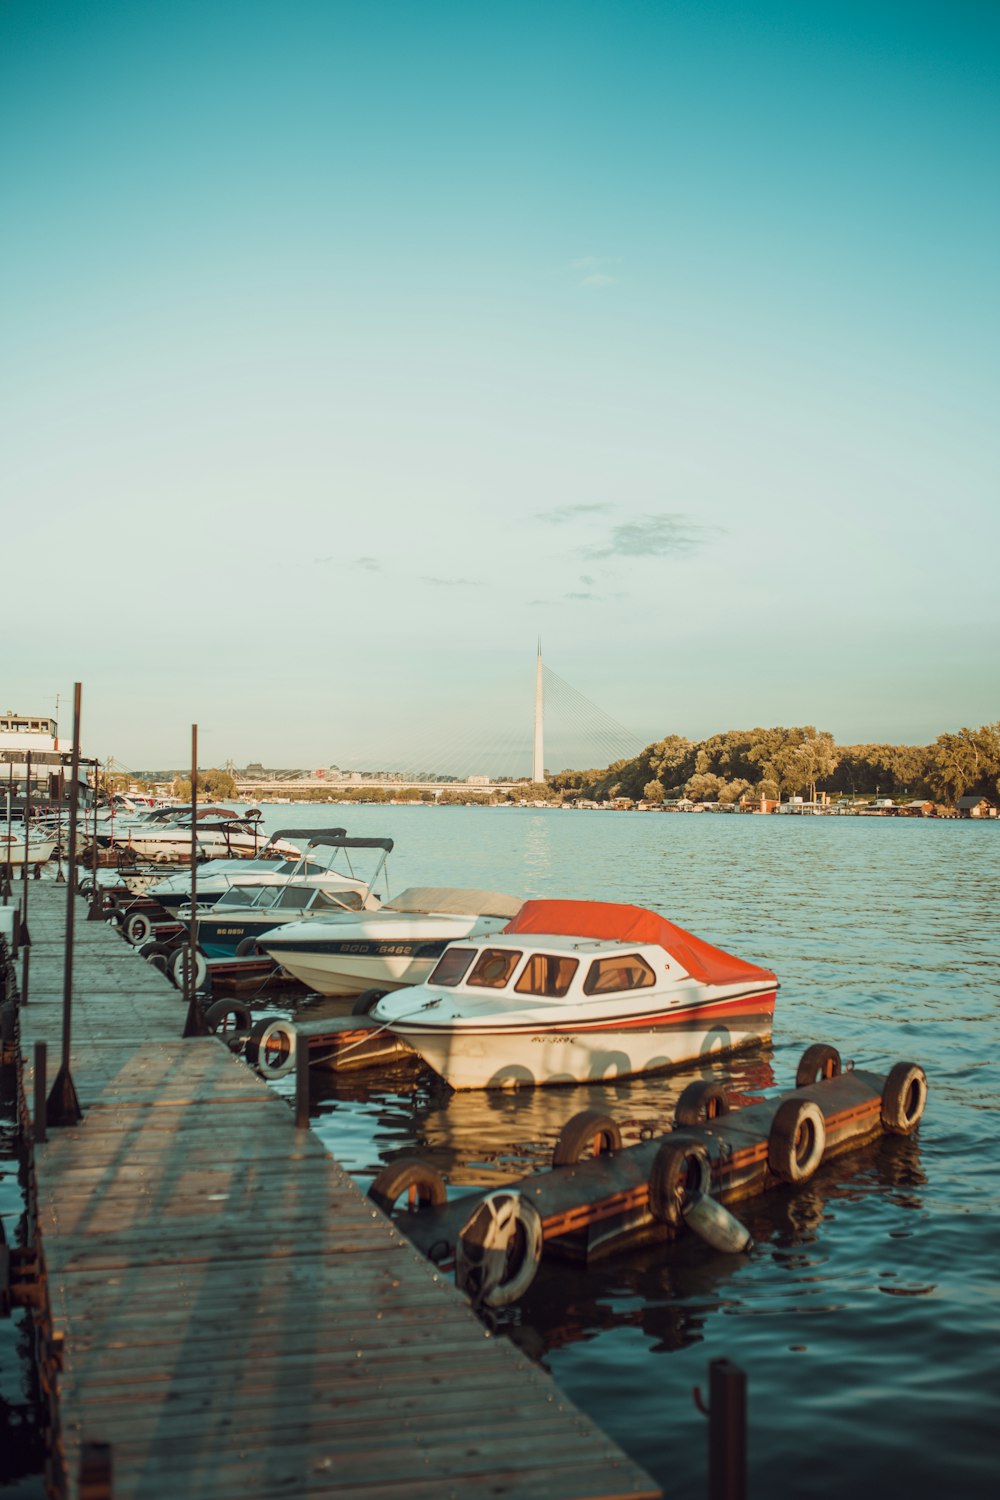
(229, 838)
(309, 892)
(397, 945)
(576, 992)
(218, 878)
(25, 847)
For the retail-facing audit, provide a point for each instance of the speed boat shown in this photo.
(25, 846)
(399, 944)
(311, 890)
(578, 992)
(230, 837)
(218, 878)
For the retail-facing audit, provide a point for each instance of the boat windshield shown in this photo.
(452, 966)
(606, 975)
(494, 967)
(546, 974)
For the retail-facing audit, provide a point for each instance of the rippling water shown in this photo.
(868, 1314)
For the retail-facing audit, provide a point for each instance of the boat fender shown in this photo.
(366, 1002)
(797, 1140)
(701, 1101)
(715, 1224)
(818, 1061)
(588, 1133)
(904, 1097)
(115, 916)
(423, 1185)
(177, 966)
(138, 928)
(679, 1169)
(499, 1249)
(270, 1047)
(229, 1019)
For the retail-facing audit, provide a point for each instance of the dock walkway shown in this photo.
(237, 1320)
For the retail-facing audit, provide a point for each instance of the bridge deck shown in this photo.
(237, 1319)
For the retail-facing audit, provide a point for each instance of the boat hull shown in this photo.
(349, 973)
(508, 1057)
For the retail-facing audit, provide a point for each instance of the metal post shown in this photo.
(194, 1025)
(63, 1105)
(7, 862)
(301, 1083)
(25, 935)
(41, 1112)
(727, 1431)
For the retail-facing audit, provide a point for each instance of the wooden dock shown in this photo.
(231, 1314)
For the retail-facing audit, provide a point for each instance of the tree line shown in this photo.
(779, 762)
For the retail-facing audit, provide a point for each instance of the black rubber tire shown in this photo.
(817, 1062)
(582, 1133)
(258, 1054)
(116, 915)
(220, 1011)
(246, 946)
(148, 950)
(159, 961)
(904, 1096)
(679, 1168)
(700, 1102)
(366, 1002)
(138, 928)
(177, 963)
(797, 1140)
(423, 1185)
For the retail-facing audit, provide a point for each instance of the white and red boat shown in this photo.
(579, 992)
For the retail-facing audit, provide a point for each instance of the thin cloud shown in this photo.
(669, 534)
(564, 513)
(595, 270)
(587, 581)
(451, 583)
(582, 596)
(371, 564)
(323, 559)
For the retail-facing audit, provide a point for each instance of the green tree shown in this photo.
(653, 791)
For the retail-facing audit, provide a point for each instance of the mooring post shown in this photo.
(95, 1471)
(727, 1431)
(41, 1110)
(194, 1024)
(63, 1107)
(301, 1084)
(25, 934)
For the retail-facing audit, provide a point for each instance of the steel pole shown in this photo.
(194, 1025)
(63, 1106)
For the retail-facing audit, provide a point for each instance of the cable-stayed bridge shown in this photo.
(560, 729)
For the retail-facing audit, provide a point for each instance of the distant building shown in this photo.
(975, 807)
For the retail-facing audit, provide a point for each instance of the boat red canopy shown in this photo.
(633, 924)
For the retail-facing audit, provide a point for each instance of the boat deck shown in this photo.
(235, 1318)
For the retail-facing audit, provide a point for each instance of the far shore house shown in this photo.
(975, 807)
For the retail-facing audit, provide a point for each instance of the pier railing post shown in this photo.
(301, 1083)
(63, 1107)
(41, 1109)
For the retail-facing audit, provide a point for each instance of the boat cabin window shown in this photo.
(630, 972)
(452, 966)
(494, 967)
(546, 974)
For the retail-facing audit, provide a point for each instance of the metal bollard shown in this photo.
(41, 1107)
(301, 1084)
(727, 1430)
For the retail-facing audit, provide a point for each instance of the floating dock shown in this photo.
(219, 1312)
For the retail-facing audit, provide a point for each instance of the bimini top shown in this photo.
(453, 901)
(633, 924)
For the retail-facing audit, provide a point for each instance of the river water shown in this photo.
(867, 1316)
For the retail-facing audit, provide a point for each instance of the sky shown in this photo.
(348, 348)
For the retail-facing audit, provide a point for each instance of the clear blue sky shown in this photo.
(347, 346)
